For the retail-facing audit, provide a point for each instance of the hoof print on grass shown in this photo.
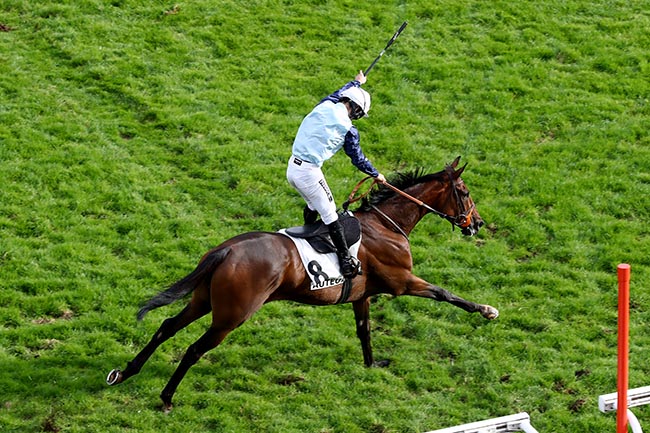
(290, 379)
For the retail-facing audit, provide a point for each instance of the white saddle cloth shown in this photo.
(323, 269)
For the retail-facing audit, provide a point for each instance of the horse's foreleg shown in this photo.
(209, 340)
(362, 318)
(168, 329)
(419, 287)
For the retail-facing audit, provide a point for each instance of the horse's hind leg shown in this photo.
(168, 329)
(230, 309)
(208, 341)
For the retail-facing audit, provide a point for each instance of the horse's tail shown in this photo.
(179, 289)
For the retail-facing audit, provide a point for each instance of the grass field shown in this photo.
(136, 135)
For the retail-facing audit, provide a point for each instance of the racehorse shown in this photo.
(235, 279)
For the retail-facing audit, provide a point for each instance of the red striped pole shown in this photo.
(623, 345)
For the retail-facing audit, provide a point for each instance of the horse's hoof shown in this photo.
(490, 312)
(114, 377)
(167, 407)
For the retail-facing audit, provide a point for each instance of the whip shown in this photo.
(390, 42)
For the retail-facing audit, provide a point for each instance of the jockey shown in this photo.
(322, 133)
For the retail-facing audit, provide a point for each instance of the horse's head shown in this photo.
(459, 208)
(443, 194)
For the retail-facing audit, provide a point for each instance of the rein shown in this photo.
(390, 220)
(351, 198)
(463, 220)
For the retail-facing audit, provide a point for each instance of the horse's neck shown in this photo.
(436, 196)
(403, 215)
(407, 213)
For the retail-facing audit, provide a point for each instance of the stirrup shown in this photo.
(351, 267)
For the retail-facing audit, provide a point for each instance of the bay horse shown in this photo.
(235, 279)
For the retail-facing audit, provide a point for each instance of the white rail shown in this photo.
(635, 397)
(512, 423)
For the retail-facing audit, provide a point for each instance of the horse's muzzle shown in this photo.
(474, 226)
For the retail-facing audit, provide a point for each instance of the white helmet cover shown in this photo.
(359, 97)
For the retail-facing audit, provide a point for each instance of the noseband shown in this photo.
(462, 220)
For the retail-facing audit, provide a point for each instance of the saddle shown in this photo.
(317, 234)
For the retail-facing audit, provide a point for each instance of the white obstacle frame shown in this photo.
(511, 423)
(635, 397)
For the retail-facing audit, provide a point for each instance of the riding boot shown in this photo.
(310, 216)
(350, 266)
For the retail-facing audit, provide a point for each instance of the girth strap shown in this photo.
(345, 291)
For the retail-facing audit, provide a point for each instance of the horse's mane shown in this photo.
(400, 181)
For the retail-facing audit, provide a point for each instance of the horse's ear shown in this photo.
(455, 163)
(460, 171)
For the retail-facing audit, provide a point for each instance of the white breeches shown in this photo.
(308, 180)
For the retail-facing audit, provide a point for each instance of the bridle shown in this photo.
(462, 220)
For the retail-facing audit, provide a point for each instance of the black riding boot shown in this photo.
(350, 266)
(310, 216)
